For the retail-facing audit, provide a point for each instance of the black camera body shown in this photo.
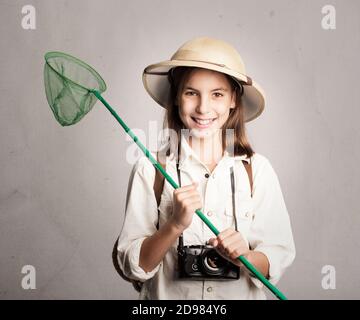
(199, 262)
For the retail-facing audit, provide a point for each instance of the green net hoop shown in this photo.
(68, 84)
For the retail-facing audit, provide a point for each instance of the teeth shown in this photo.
(203, 122)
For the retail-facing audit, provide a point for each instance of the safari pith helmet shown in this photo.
(207, 53)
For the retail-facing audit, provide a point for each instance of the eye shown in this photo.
(190, 93)
(218, 94)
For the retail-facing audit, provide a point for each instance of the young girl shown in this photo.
(208, 98)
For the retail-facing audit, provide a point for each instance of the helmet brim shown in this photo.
(156, 82)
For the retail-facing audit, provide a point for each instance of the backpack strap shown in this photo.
(249, 172)
(159, 181)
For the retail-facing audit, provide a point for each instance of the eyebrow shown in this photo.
(217, 89)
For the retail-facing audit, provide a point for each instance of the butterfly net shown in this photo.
(68, 85)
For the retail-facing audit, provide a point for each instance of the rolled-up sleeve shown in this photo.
(271, 231)
(140, 220)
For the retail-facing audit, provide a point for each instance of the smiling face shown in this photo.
(205, 102)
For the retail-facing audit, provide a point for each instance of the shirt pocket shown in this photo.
(244, 212)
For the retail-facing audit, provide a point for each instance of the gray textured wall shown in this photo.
(62, 190)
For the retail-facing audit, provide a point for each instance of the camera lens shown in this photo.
(213, 263)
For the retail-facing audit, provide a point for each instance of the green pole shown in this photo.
(157, 165)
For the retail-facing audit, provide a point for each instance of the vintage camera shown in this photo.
(200, 262)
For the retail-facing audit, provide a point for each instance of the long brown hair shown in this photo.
(239, 143)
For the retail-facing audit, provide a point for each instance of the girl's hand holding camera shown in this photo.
(186, 200)
(230, 244)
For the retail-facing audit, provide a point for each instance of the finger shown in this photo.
(227, 246)
(213, 242)
(236, 245)
(230, 240)
(238, 252)
(195, 206)
(191, 200)
(186, 188)
(222, 253)
(234, 237)
(225, 233)
(186, 194)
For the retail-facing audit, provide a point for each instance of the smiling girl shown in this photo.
(208, 98)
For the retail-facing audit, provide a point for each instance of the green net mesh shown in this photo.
(68, 85)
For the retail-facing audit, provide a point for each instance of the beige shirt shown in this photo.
(262, 219)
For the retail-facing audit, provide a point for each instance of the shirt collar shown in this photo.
(242, 157)
(186, 152)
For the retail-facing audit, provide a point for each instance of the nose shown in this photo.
(202, 106)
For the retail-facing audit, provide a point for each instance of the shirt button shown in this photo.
(207, 175)
(209, 213)
(209, 289)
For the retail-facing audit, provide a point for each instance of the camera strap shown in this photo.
(159, 185)
(181, 237)
(233, 188)
(232, 179)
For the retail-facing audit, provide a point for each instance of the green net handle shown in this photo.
(157, 165)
